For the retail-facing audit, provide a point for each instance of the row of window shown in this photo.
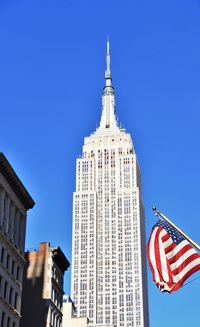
(10, 264)
(57, 275)
(12, 220)
(6, 321)
(55, 320)
(106, 151)
(8, 293)
(86, 180)
(57, 298)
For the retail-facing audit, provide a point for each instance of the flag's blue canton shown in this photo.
(176, 236)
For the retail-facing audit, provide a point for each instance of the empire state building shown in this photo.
(109, 282)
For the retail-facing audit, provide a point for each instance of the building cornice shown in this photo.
(60, 259)
(13, 180)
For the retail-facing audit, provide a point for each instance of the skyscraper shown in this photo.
(109, 282)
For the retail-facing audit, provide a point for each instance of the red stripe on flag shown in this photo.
(170, 248)
(165, 237)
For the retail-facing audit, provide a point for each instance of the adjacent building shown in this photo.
(42, 296)
(14, 203)
(109, 281)
(70, 318)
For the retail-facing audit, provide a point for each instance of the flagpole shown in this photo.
(159, 213)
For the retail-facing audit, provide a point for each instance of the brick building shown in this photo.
(42, 297)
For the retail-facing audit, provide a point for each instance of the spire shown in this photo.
(107, 72)
(108, 121)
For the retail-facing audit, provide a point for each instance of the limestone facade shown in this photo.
(14, 203)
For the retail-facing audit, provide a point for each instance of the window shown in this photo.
(51, 317)
(18, 270)
(3, 318)
(54, 317)
(2, 254)
(13, 267)
(7, 261)
(16, 300)
(0, 284)
(10, 295)
(5, 289)
(8, 322)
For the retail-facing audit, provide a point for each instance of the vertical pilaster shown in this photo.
(23, 233)
(2, 196)
(12, 221)
(7, 214)
(17, 221)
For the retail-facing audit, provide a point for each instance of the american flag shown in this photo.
(171, 257)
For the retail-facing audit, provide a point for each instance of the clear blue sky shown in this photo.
(52, 61)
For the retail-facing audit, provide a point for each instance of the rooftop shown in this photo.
(13, 180)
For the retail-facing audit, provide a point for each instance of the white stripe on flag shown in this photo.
(167, 243)
(182, 258)
(186, 269)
